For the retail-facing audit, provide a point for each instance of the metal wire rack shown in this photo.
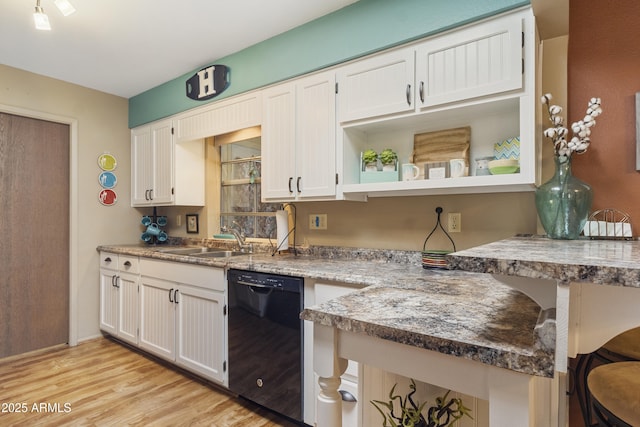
(609, 224)
(436, 258)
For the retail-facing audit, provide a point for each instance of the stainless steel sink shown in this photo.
(181, 251)
(201, 251)
(219, 254)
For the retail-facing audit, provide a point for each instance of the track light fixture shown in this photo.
(42, 20)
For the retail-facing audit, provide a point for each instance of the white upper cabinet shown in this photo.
(279, 142)
(298, 140)
(165, 173)
(480, 60)
(316, 136)
(141, 166)
(163, 163)
(481, 77)
(376, 86)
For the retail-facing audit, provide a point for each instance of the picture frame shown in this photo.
(192, 223)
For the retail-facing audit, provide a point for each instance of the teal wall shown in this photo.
(356, 30)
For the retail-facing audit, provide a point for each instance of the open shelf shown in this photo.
(491, 120)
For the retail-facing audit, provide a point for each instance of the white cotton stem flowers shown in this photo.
(579, 142)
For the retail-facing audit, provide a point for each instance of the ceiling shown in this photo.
(125, 47)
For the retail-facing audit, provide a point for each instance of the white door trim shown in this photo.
(73, 206)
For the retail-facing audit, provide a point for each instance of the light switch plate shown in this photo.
(318, 221)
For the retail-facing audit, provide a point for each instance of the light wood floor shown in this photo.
(102, 383)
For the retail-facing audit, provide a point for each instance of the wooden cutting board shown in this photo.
(442, 146)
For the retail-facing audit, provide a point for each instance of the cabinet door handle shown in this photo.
(146, 194)
(127, 263)
(113, 280)
(347, 397)
(151, 194)
(422, 92)
(290, 181)
(117, 281)
(175, 296)
(107, 259)
(170, 295)
(409, 94)
(298, 184)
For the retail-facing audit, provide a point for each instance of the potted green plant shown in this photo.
(444, 413)
(388, 158)
(370, 160)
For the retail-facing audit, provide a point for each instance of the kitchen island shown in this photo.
(591, 286)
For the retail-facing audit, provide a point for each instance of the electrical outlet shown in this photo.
(178, 220)
(318, 222)
(454, 222)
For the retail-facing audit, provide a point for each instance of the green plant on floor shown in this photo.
(369, 156)
(388, 156)
(443, 414)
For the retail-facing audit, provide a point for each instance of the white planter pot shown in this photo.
(371, 167)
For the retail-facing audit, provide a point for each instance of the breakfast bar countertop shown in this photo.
(602, 262)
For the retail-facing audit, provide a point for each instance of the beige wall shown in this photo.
(405, 222)
(101, 127)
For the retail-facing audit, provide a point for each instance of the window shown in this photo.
(240, 205)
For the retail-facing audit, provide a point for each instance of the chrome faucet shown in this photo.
(240, 237)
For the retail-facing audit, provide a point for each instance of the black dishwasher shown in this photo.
(265, 340)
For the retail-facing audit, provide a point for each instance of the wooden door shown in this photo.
(34, 234)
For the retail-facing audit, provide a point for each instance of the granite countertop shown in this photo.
(464, 314)
(457, 313)
(605, 262)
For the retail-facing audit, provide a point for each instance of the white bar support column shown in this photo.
(329, 368)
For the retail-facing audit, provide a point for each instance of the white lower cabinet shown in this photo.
(351, 380)
(172, 310)
(182, 316)
(157, 317)
(119, 296)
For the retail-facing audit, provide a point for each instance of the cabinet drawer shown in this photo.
(201, 276)
(127, 263)
(109, 260)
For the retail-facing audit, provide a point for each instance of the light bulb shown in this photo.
(41, 19)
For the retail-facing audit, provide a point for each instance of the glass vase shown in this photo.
(563, 202)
